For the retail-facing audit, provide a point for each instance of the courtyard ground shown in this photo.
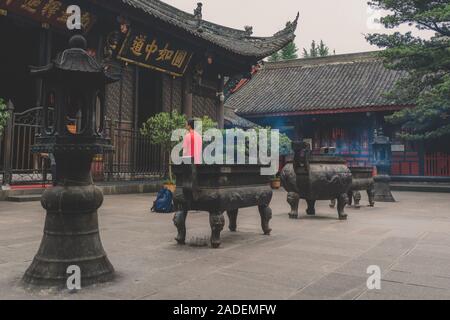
(309, 258)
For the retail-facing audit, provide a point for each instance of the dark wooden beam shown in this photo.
(187, 95)
(221, 102)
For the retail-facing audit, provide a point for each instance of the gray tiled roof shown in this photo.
(233, 120)
(236, 41)
(319, 84)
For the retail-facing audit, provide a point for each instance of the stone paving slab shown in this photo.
(309, 258)
(401, 291)
(333, 286)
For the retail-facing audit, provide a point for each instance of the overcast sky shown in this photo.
(341, 24)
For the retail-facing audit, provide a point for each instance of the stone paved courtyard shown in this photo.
(309, 258)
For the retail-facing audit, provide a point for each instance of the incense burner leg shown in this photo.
(232, 216)
(371, 195)
(333, 204)
(350, 195)
(266, 216)
(179, 221)
(293, 199)
(357, 198)
(217, 222)
(342, 202)
(311, 210)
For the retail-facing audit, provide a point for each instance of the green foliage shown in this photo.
(321, 50)
(285, 145)
(159, 130)
(313, 52)
(426, 64)
(274, 57)
(289, 52)
(285, 142)
(160, 127)
(3, 116)
(207, 123)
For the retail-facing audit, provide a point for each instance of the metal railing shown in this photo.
(133, 158)
(18, 164)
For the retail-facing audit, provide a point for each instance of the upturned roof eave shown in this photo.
(242, 44)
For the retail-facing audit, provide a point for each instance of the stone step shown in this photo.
(107, 188)
(25, 198)
(421, 187)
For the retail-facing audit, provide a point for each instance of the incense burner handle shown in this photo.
(299, 148)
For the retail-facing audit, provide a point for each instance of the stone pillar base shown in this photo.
(383, 189)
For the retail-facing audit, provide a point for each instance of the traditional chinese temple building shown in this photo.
(168, 60)
(336, 101)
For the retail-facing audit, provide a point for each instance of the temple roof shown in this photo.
(235, 121)
(237, 41)
(339, 83)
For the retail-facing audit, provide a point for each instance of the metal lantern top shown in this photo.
(381, 147)
(75, 61)
(380, 139)
(75, 85)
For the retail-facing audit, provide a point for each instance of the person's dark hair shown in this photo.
(191, 123)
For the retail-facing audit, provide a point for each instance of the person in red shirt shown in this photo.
(193, 143)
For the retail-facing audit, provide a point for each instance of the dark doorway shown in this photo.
(20, 49)
(150, 95)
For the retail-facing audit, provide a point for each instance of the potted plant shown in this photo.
(159, 129)
(3, 115)
(170, 185)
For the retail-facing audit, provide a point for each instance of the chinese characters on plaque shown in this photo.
(155, 52)
(51, 12)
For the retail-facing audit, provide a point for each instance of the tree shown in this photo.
(316, 51)
(160, 127)
(426, 64)
(323, 50)
(289, 52)
(3, 115)
(312, 51)
(274, 57)
(159, 130)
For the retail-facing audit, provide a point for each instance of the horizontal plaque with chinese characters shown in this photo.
(398, 148)
(51, 12)
(155, 52)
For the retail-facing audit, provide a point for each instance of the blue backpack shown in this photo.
(163, 202)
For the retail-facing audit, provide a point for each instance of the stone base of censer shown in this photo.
(383, 189)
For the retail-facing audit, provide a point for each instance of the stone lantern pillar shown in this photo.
(381, 158)
(75, 82)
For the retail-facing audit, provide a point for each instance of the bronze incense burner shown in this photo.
(218, 189)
